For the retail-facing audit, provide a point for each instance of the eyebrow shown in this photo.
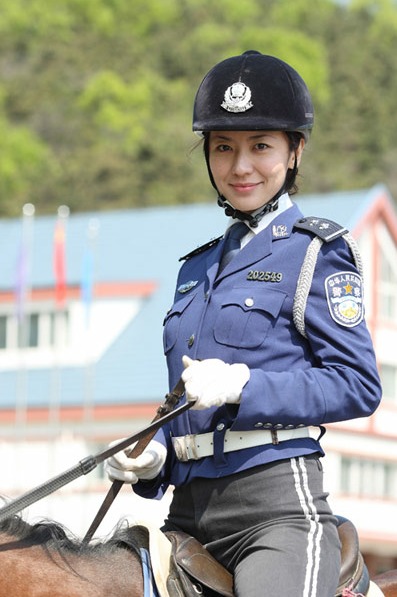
(251, 137)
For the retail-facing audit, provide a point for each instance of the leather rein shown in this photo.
(165, 412)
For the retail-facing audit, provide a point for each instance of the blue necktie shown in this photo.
(232, 243)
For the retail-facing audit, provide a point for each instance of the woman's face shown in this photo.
(249, 167)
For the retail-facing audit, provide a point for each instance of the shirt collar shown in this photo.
(284, 203)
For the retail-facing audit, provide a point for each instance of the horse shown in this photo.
(387, 582)
(46, 560)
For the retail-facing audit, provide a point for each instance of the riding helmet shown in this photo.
(253, 91)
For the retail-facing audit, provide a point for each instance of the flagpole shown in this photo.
(22, 297)
(59, 267)
(87, 295)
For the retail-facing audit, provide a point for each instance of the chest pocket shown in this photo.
(245, 318)
(172, 321)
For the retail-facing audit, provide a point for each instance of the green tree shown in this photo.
(97, 96)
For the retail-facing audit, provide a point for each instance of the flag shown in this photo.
(87, 271)
(87, 281)
(60, 256)
(22, 281)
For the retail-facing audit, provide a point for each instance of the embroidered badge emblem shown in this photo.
(187, 286)
(237, 98)
(345, 298)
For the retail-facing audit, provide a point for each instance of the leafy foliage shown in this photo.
(96, 97)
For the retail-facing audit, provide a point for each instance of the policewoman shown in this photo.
(271, 343)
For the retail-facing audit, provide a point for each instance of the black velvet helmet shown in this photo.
(253, 91)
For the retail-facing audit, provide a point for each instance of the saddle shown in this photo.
(194, 571)
(354, 574)
(191, 570)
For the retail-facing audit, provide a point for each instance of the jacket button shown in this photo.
(249, 302)
(267, 425)
(220, 427)
(259, 424)
(190, 342)
(278, 426)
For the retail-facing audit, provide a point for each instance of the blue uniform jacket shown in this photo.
(245, 316)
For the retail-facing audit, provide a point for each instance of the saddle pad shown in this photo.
(160, 555)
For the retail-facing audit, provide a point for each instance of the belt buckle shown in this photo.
(185, 448)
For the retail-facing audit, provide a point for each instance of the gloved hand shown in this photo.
(129, 470)
(213, 382)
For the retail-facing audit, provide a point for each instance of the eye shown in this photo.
(261, 146)
(223, 147)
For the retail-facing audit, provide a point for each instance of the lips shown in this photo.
(241, 187)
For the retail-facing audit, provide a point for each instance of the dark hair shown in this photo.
(290, 185)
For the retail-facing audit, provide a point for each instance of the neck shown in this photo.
(252, 220)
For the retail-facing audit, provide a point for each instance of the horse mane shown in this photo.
(54, 535)
(15, 526)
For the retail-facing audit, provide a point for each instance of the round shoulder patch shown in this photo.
(344, 292)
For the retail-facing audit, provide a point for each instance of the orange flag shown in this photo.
(59, 255)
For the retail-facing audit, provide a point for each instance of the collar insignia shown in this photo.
(280, 231)
(237, 98)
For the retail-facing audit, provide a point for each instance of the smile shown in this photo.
(244, 187)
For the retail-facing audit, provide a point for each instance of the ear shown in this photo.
(299, 151)
(296, 155)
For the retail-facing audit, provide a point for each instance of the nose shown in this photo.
(242, 164)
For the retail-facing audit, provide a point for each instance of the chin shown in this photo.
(248, 209)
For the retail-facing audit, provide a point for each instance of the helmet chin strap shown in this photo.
(253, 221)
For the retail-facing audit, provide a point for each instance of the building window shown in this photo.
(369, 478)
(41, 329)
(3, 331)
(387, 286)
(388, 375)
(34, 330)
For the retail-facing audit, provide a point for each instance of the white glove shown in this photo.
(213, 382)
(129, 470)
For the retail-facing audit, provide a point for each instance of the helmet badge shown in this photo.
(237, 98)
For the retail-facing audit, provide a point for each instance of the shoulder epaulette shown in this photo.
(325, 229)
(201, 248)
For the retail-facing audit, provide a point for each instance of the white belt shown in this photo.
(194, 447)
